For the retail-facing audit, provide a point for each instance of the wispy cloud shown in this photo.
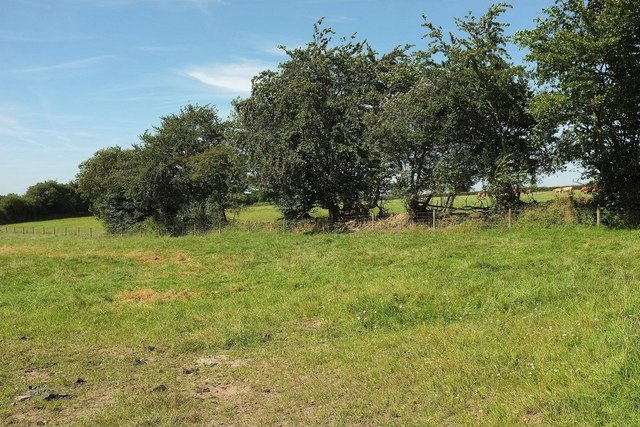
(155, 49)
(12, 128)
(48, 39)
(234, 78)
(75, 64)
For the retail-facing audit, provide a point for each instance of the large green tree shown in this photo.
(111, 182)
(587, 61)
(419, 131)
(303, 127)
(176, 200)
(183, 175)
(494, 97)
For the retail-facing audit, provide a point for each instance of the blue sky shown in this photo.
(80, 75)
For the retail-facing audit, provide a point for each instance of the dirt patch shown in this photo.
(220, 360)
(533, 417)
(152, 295)
(224, 393)
(230, 391)
(211, 361)
(29, 415)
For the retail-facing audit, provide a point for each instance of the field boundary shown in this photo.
(437, 218)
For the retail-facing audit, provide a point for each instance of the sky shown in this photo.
(81, 75)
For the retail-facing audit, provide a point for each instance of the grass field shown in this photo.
(444, 327)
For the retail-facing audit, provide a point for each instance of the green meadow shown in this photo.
(456, 326)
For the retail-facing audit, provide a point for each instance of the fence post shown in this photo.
(433, 218)
(373, 221)
(54, 231)
(65, 231)
(598, 216)
(509, 218)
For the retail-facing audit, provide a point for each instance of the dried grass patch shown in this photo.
(309, 325)
(152, 295)
(27, 250)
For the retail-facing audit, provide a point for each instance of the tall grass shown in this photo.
(454, 326)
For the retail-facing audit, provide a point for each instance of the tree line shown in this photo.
(340, 126)
(44, 200)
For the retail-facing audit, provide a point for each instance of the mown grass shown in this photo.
(426, 327)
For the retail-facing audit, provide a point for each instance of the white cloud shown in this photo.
(77, 63)
(234, 78)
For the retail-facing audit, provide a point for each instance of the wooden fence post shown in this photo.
(373, 219)
(509, 218)
(598, 216)
(433, 219)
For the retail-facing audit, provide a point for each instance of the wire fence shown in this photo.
(52, 231)
(436, 218)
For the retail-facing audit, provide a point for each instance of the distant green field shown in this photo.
(445, 327)
(86, 225)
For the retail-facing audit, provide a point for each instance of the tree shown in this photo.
(182, 175)
(190, 176)
(421, 134)
(494, 103)
(303, 128)
(111, 182)
(219, 175)
(587, 62)
(15, 208)
(51, 198)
